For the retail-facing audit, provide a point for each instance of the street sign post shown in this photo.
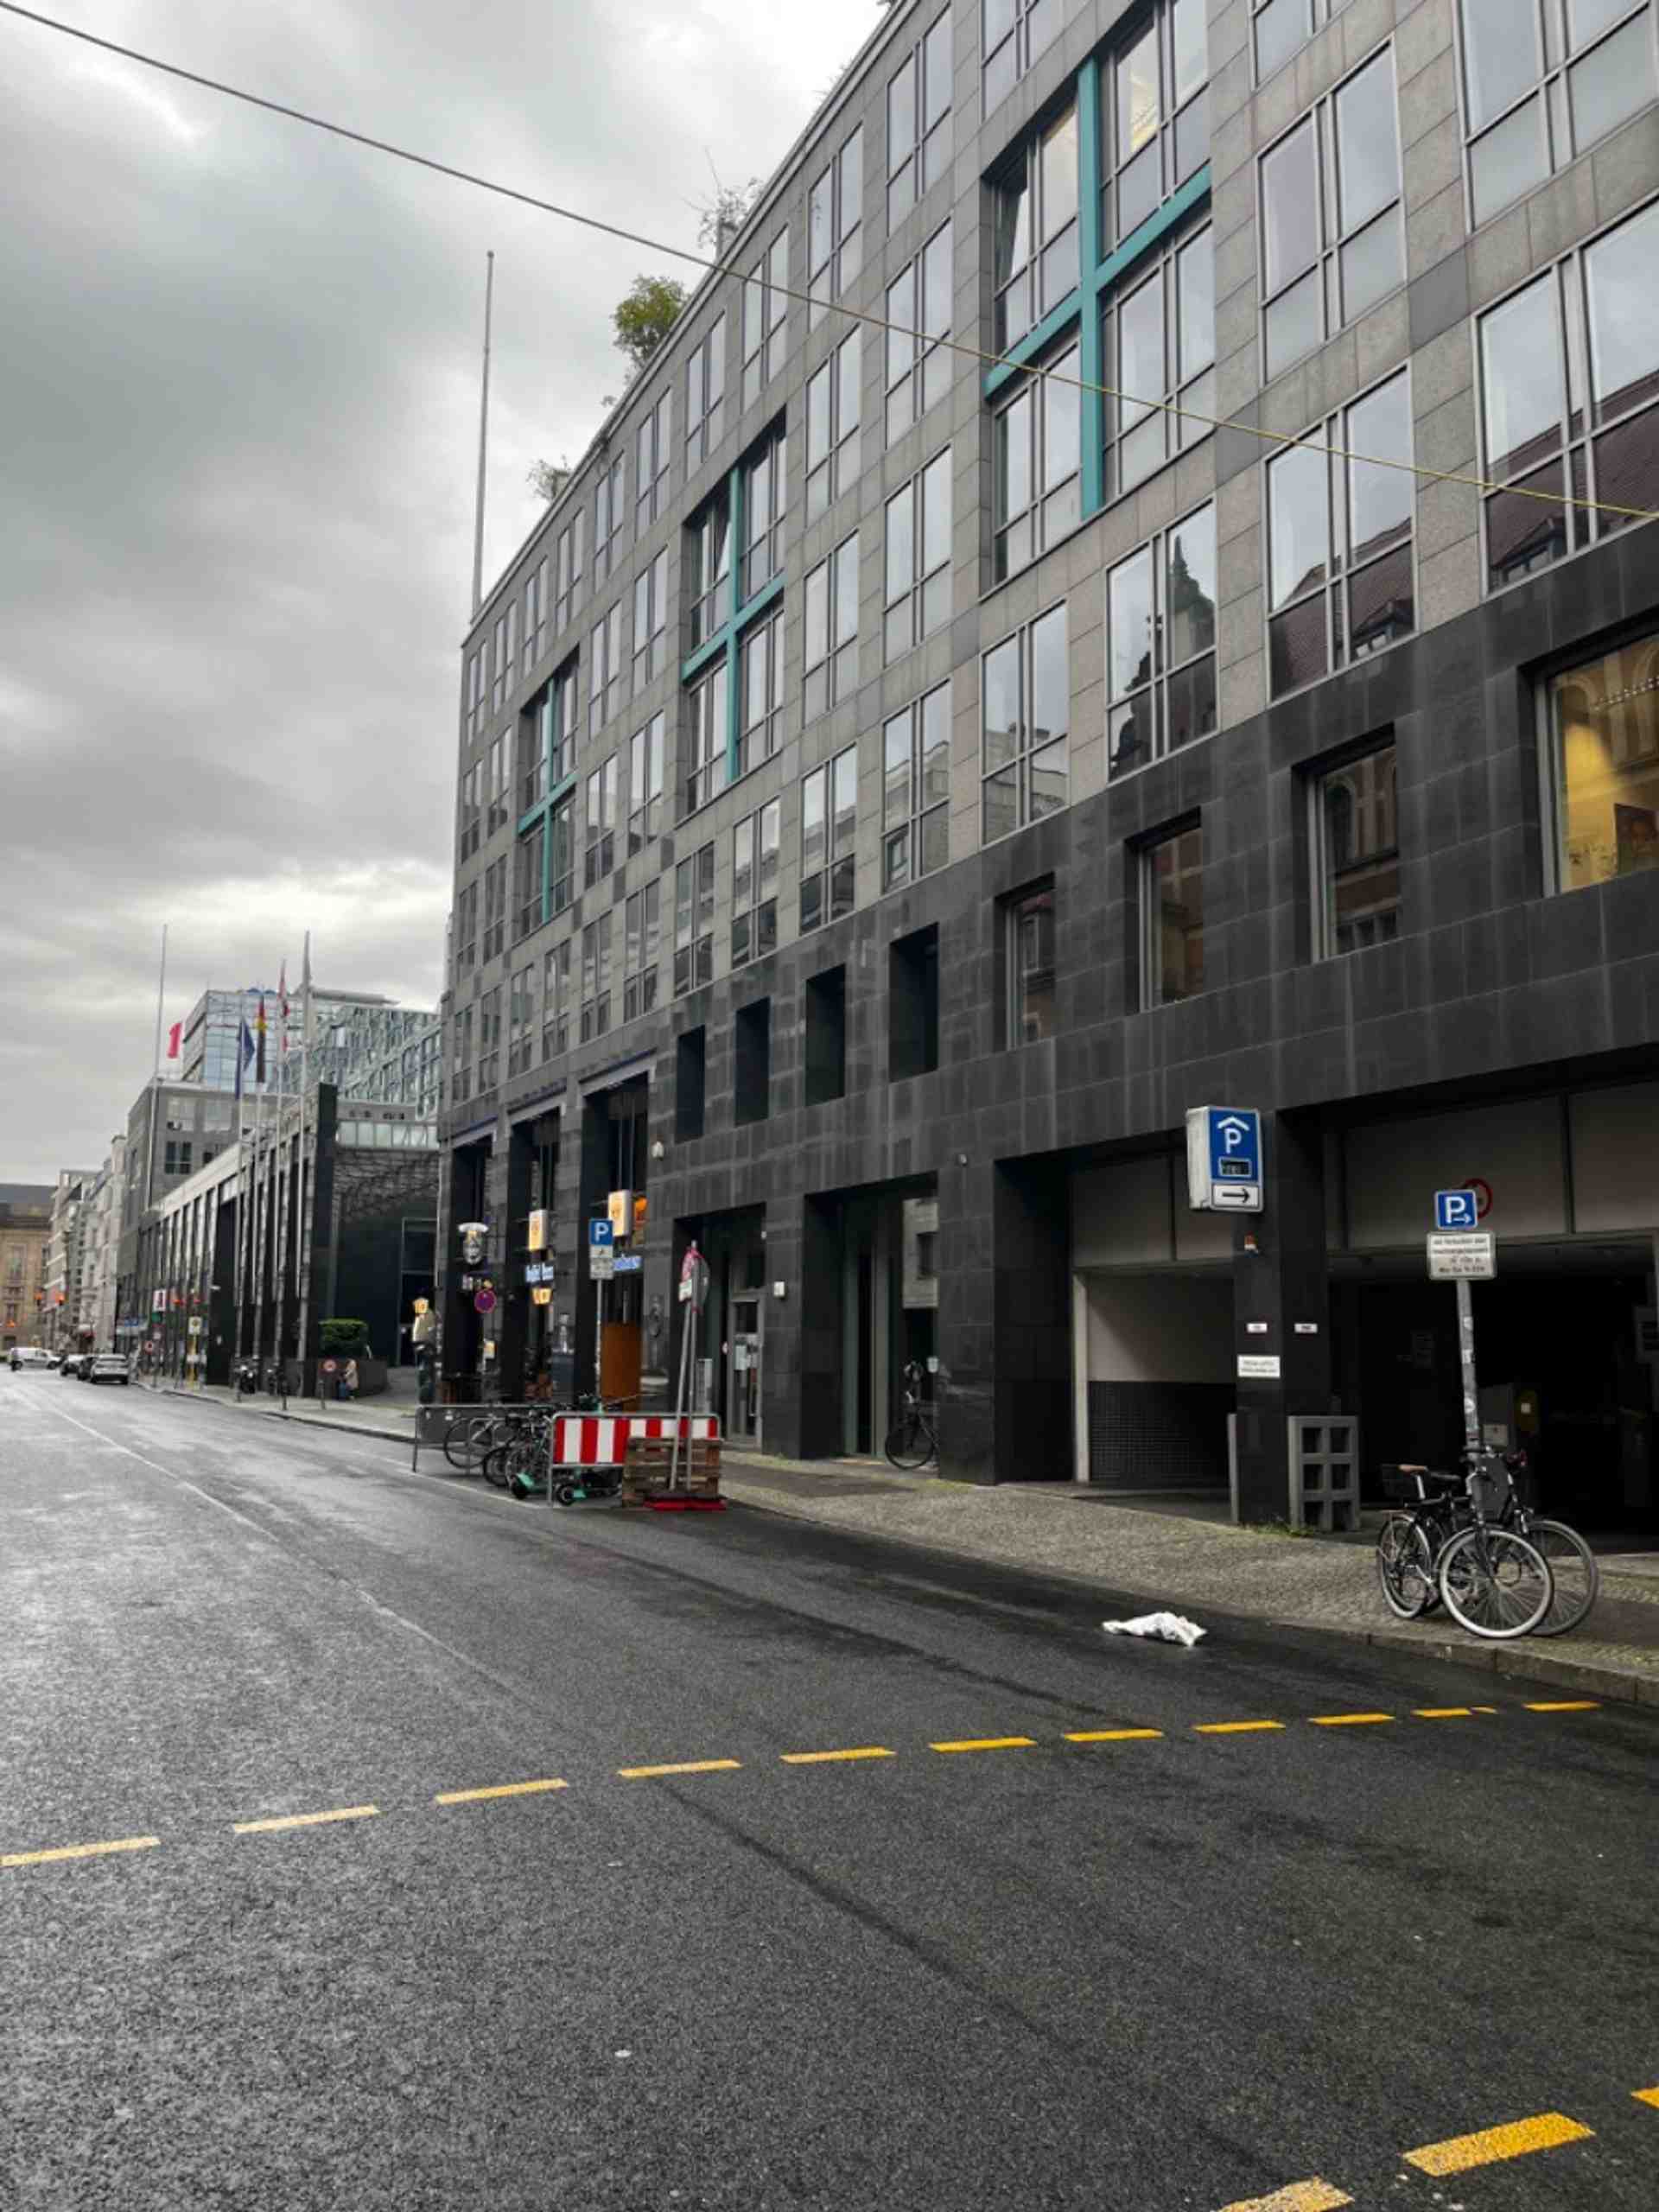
(1223, 1160)
(1459, 1253)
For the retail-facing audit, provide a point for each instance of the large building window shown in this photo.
(653, 451)
(1155, 115)
(765, 495)
(467, 928)
(527, 882)
(705, 394)
(1332, 240)
(599, 846)
(1281, 27)
(706, 738)
(646, 784)
(1026, 710)
(1339, 541)
(536, 616)
(1171, 919)
(1036, 238)
(495, 908)
(499, 785)
(596, 978)
(610, 515)
(1028, 965)
(1036, 460)
(1604, 753)
(916, 790)
(694, 921)
(832, 629)
(760, 697)
(562, 855)
(651, 622)
(830, 839)
(1586, 326)
(1160, 645)
(472, 809)
(605, 670)
(832, 415)
(1538, 89)
(460, 1074)
(489, 1040)
(642, 943)
(1356, 854)
(521, 1022)
(835, 228)
(1013, 32)
(569, 567)
(710, 567)
(918, 121)
(1160, 336)
(918, 368)
(556, 1002)
(917, 558)
(754, 883)
(766, 307)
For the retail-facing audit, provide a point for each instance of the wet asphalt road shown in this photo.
(1170, 1971)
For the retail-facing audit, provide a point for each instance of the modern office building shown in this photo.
(368, 1044)
(25, 1234)
(1173, 622)
(70, 1239)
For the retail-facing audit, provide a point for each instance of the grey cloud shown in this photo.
(239, 382)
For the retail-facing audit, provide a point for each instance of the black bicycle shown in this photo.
(912, 1441)
(1412, 1589)
(1452, 1546)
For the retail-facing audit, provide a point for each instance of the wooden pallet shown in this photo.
(650, 1460)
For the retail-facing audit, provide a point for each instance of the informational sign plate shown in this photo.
(1258, 1367)
(1469, 1256)
(1457, 1210)
(1223, 1160)
(601, 1252)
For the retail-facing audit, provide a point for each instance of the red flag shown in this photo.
(173, 1036)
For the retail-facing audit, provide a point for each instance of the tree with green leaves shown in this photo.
(645, 315)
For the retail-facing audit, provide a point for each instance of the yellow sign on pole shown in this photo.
(420, 1307)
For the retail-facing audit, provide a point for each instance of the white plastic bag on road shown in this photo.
(1162, 1627)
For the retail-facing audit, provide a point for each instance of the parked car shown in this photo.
(106, 1367)
(30, 1356)
(69, 1364)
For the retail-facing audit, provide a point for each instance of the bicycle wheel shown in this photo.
(1494, 1584)
(1405, 1567)
(465, 1440)
(1573, 1571)
(910, 1441)
(496, 1466)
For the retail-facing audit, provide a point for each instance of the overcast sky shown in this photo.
(238, 388)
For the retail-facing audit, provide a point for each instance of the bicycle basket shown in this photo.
(1397, 1484)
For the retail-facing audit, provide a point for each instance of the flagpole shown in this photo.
(161, 995)
(302, 1228)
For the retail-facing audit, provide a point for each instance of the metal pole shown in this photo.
(161, 993)
(483, 439)
(1466, 1358)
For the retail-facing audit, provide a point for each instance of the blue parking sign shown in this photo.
(1456, 1209)
(1224, 1158)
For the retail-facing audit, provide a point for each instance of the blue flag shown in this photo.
(243, 1056)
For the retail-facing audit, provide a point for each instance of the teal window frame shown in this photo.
(1102, 275)
(541, 815)
(726, 641)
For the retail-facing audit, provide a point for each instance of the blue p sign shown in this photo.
(1456, 1209)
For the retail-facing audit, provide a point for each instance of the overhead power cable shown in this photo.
(922, 339)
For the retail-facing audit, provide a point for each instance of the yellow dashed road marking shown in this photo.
(304, 1820)
(1296, 2196)
(501, 1789)
(1346, 1720)
(1646, 2096)
(1233, 1727)
(1567, 1705)
(1446, 1712)
(821, 1759)
(684, 1766)
(79, 1850)
(1112, 1735)
(1545, 2130)
(988, 1743)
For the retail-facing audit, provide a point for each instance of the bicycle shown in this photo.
(912, 1440)
(1573, 1571)
(1495, 1583)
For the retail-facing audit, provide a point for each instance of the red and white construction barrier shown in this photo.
(602, 1439)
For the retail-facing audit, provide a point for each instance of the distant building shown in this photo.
(352, 1032)
(25, 1232)
(70, 1215)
